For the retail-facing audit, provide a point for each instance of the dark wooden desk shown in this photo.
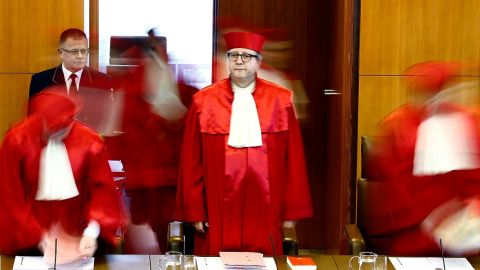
(475, 262)
(107, 262)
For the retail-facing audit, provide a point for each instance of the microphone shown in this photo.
(55, 259)
(443, 257)
(273, 247)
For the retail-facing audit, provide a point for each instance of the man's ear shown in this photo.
(259, 64)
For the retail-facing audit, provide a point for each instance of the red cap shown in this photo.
(54, 103)
(244, 40)
(430, 76)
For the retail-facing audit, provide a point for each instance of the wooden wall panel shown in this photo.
(31, 30)
(13, 99)
(398, 34)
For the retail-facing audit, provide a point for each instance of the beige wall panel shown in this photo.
(31, 30)
(13, 99)
(397, 34)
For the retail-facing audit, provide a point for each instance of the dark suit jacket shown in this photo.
(95, 88)
(90, 79)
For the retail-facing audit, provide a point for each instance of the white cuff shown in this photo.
(93, 229)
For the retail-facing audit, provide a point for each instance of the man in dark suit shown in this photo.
(94, 86)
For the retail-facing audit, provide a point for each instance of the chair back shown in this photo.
(365, 149)
(370, 193)
(362, 184)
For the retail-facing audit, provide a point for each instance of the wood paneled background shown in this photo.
(397, 34)
(30, 32)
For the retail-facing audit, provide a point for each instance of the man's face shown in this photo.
(72, 58)
(243, 73)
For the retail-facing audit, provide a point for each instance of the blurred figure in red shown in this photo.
(153, 122)
(428, 153)
(55, 182)
(277, 60)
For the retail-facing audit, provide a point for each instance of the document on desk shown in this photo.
(37, 263)
(430, 263)
(242, 259)
(215, 263)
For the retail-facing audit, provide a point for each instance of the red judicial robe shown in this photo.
(24, 220)
(397, 211)
(244, 193)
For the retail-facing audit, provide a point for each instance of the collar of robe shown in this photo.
(56, 181)
(244, 123)
(445, 142)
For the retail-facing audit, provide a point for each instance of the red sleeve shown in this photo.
(191, 202)
(297, 203)
(106, 206)
(18, 227)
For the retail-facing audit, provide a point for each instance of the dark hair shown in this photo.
(72, 33)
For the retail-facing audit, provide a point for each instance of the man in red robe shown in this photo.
(55, 181)
(242, 171)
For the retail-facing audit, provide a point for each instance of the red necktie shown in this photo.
(73, 85)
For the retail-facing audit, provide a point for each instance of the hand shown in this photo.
(289, 224)
(88, 245)
(42, 246)
(199, 226)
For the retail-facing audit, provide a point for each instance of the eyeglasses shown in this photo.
(75, 52)
(245, 57)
